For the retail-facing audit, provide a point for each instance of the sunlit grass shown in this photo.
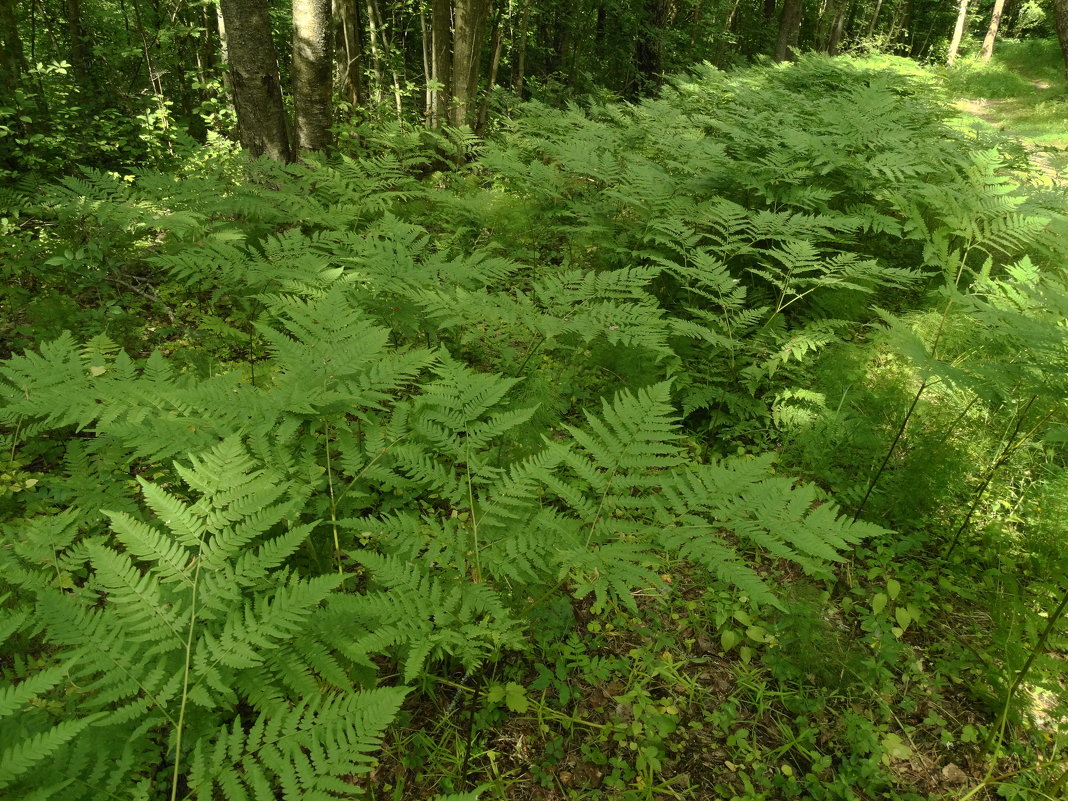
(1022, 92)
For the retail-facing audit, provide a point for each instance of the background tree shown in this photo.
(958, 33)
(257, 88)
(789, 28)
(992, 32)
(312, 73)
(1060, 21)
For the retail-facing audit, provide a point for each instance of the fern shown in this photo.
(179, 629)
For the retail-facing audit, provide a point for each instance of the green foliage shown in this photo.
(322, 433)
(180, 633)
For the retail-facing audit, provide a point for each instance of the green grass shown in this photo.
(1022, 92)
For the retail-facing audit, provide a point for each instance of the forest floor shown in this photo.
(1020, 95)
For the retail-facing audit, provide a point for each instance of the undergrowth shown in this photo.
(704, 447)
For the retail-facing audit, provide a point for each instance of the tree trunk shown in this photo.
(313, 58)
(376, 53)
(349, 49)
(789, 27)
(1060, 20)
(495, 64)
(649, 56)
(79, 47)
(958, 33)
(12, 60)
(834, 38)
(874, 19)
(520, 47)
(261, 119)
(469, 21)
(441, 61)
(992, 32)
(382, 53)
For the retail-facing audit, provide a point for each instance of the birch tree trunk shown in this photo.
(958, 33)
(261, 119)
(992, 31)
(312, 73)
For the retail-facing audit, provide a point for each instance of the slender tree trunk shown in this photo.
(834, 38)
(441, 60)
(12, 60)
(874, 19)
(789, 27)
(428, 68)
(958, 33)
(992, 32)
(313, 58)
(349, 49)
(520, 47)
(376, 53)
(384, 60)
(261, 119)
(495, 63)
(12, 65)
(649, 55)
(79, 47)
(1060, 21)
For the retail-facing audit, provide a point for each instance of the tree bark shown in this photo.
(261, 119)
(441, 61)
(958, 33)
(349, 49)
(835, 38)
(79, 47)
(469, 21)
(495, 64)
(649, 55)
(519, 46)
(874, 18)
(313, 57)
(789, 27)
(12, 60)
(992, 31)
(1060, 21)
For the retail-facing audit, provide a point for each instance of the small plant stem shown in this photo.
(333, 504)
(916, 399)
(1011, 448)
(180, 728)
(1040, 647)
(890, 451)
(469, 737)
(551, 714)
(477, 578)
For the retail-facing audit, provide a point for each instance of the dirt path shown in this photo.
(1050, 162)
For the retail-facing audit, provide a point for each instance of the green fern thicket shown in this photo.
(314, 431)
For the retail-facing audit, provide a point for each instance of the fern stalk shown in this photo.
(333, 504)
(474, 517)
(1040, 647)
(915, 401)
(180, 728)
(1010, 450)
